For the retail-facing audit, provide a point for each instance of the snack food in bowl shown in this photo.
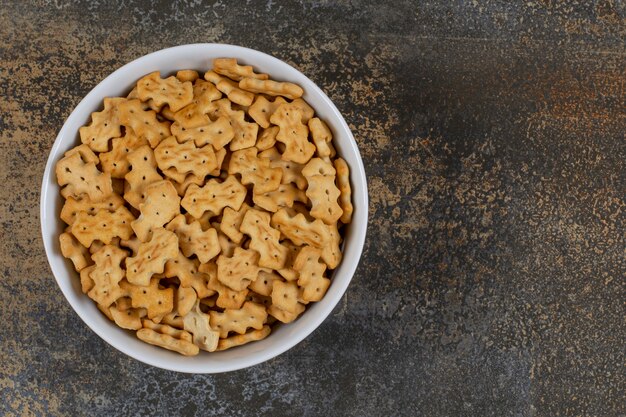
(213, 200)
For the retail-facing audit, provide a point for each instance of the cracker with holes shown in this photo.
(292, 171)
(285, 296)
(157, 301)
(129, 318)
(203, 210)
(74, 251)
(264, 282)
(151, 257)
(213, 197)
(227, 298)
(316, 233)
(185, 158)
(322, 191)
(104, 126)
(262, 109)
(271, 88)
(239, 270)
(115, 162)
(244, 133)
(311, 274)
(170, 91)
(254, 170)
(250, 315)
(231, 222)
(264, 239)
(193, 240)
(293, 133)
(285, 316)
(107, 274)
(198, 324)
(103, 226)
(186, 270)
(142, 174)
(284, 196)
(143, 122)
(217, 134)
(160, 206)
(80, 176)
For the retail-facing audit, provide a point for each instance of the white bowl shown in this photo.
(284, 337)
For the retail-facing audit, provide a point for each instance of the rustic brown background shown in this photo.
(492, 282)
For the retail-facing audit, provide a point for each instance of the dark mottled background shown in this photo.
(492, 282)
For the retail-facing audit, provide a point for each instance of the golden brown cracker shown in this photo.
(143, 122)
(198, 324)
(321, 135)
(250, 315)
(185, 300)
(193, 240)
(292, 171)
(151, 257)
(218, 133)
(262, 110)
(161, 205)
(104, 226)
(242, 339)
(343, 182)
(285, 296)
(170, 91)
(264, 239)
(115, 161)
(317, 234)
(81, 177)
(86, 283)
(227, 298)
(142, 174)
(168, 342)
(311, 274)
(107, 275)
(271, 88)
(214, 196)
(155, 300)
(284, 196)
(267, 138)
(185, 157)
(104, 126)
(187, 75)
(323, 194)
(254, 170)
(230, 88)
(239, 270)
(285, 316)
(231, 69)
(74, 251)
(293, 133)
(231, 221)
(245, 133)
(264, 283)
(186, 270)
(128, 319)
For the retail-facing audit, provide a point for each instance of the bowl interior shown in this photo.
(200, 56)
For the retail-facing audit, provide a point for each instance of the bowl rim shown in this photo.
(357, 241)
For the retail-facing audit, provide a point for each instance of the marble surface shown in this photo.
(492, 281)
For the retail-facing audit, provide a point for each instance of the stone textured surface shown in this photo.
(492, 282)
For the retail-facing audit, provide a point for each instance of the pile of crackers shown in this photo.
(201, 211)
